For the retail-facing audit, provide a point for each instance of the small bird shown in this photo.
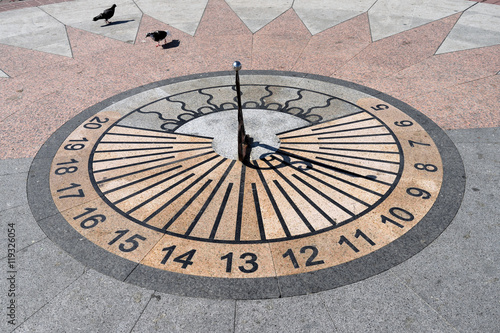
(158, 36)
(106, 15)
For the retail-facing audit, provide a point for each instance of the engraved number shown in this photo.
(90, 221)
(184, 259)
(252, 261)
(416, 192)
(426, 167)
(413, 143)
(399, 213)
(309, 262)
(72, 186)
(380, 107)
(359, 233)
(95, 123)
(134, 244)
(404, 123)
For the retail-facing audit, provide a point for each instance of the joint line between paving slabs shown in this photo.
(302, 51)
(440, 44)
(275, 273)
(447, 87)
(142, 312)
(234, 316)
(138, 28)
(420, 297)
(201, 18)
(54, 297)
(29, 245)
(321, 295)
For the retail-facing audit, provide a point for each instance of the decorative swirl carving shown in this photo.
(195, 103)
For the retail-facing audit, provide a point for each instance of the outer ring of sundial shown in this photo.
(303, 239)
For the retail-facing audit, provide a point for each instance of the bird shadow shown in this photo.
(116, 22)
(171, 44)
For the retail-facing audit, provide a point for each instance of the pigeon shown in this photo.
(158, 36)
(106, 15)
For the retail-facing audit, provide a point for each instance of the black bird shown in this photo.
(158, 36)
(106, 15)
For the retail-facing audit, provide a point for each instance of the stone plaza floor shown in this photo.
(440, 57)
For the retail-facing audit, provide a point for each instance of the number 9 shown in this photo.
(416, 192)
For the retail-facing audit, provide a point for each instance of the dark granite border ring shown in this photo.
(93, 256)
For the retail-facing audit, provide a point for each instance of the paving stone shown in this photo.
(290, 314)
(123, 25)
(170, 313)
(20, 165)
(92, 303)
(12, 190)
(25, 229)
(388, 17)
(475, 136)
(180, 14)
(43, 271)
(259, 13)
(464, 288)
(319, 15)
(381, 304)
(479, 26)
(34, 29)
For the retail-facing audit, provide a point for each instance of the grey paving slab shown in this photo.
(12, 166)
(382, 304)
(290, 314)
(78, 14)
(3, 74)
(25, 230)
(34, 29)
(389, 17)
(458, 274)
(182, 15)
(479, 136)
(478, 26)
(169, 313)
(12, 190)
(93, 303)
(256, 14)
(481, 156)
(43, 272)
(319, 15)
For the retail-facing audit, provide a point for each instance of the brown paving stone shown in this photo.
(85, 44)
(442, 71)
(25, 61)
(459, 106)
(395, 53)
(279, 44)
(219, 52)
(332, 48)
(27, 130)
(219, 19)
(222, 37)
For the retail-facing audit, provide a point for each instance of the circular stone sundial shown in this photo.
(342, 182)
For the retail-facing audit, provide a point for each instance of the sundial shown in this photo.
(338, 183)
